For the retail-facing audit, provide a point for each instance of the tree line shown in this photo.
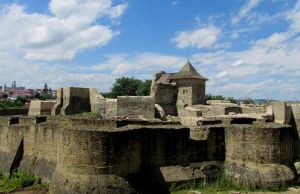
(129, 86)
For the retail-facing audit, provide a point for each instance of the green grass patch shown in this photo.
(89, 114)
(11, 104)
(20, 179)
(297, 166)
(221, 186)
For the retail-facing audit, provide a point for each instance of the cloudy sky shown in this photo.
(247, 48)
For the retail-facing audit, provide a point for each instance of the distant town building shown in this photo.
(15, 91)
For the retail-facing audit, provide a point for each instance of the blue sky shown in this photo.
(247, 48)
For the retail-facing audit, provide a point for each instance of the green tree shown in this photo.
(129, 86)
(248, 100)
(46, 97)
(144, 88)
(217, 97)
(125, 86)
(231, 99)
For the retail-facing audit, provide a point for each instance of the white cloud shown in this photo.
(174, 3)
(260, 71)
(251, 4)
(294, 17)
(270, 67)
(117, 11)
(134, 64)
(71, 29)
(35, 74)
(275, 40)
(205, 37)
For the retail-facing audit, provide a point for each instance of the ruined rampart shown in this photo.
(75, 154)
(92, 155)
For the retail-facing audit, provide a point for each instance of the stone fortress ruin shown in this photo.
(149, 144)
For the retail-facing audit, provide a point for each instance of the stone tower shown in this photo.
(191, 85)
(174, 91)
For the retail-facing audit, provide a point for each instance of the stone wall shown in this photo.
(253, 109)
(92, 155)
(282, 112)
(208, 110)
(296, 115)
(56, 109)
(13, 111)
(296, 130)
(111, 107)
(40, 150)
(255, 154)
(191, 91)
(114, 155)
(136, 106)
(28, 143)
(89, 155)
(207, 143)
(38, 107)
(96, 100)
(164, 93)
(72, 100)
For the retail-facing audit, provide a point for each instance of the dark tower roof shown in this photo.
(187, 72)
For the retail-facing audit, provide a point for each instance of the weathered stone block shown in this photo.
(59, 102)
(136, 106)
(282, 112)
(259, 155)
(75, 100)
(38, 107)
(96, 100)
(296, 115)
